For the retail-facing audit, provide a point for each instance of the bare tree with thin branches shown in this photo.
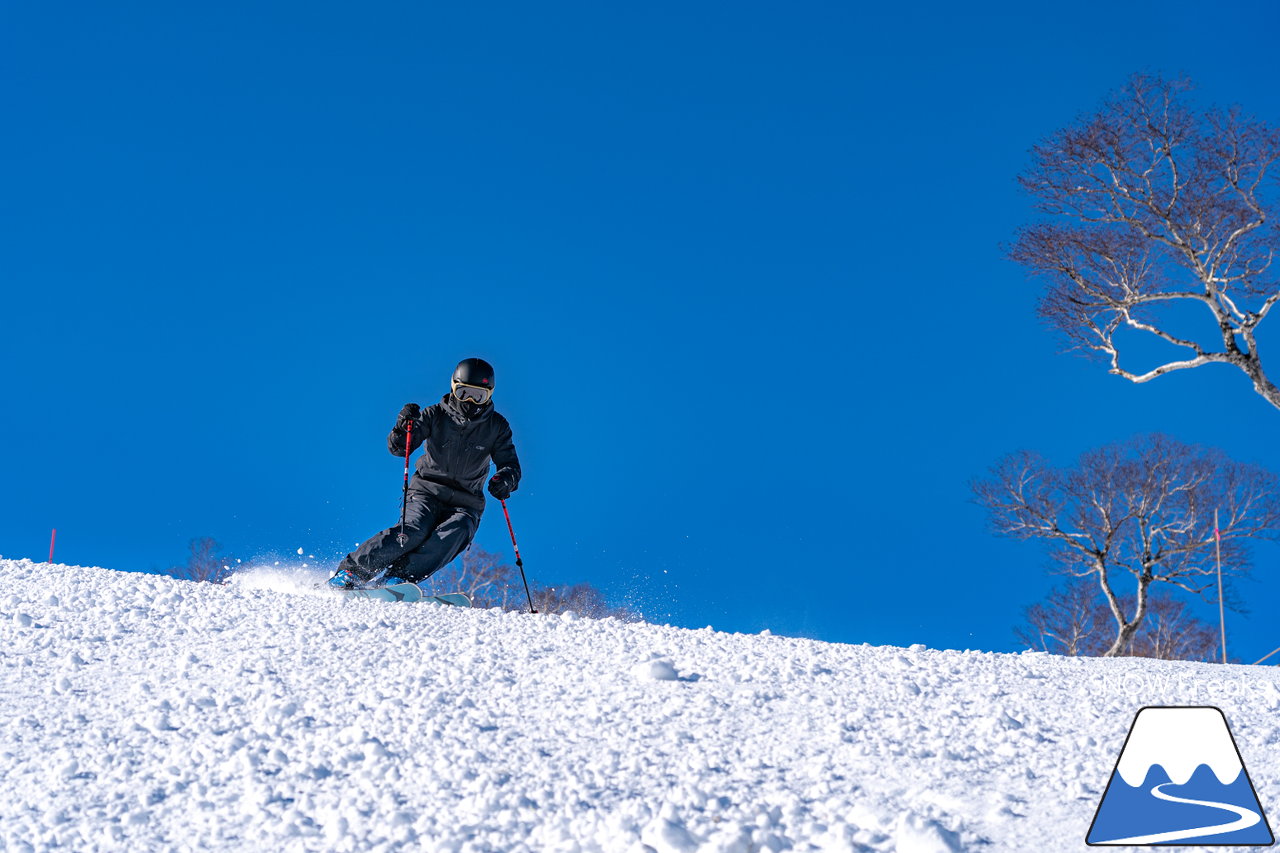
(490, 582)
(581, 598)
(1155, 206)
(482, 575)
(1069, 622)
(1172, 632)
(1075, 620)
(1141, 512)
(205, 563)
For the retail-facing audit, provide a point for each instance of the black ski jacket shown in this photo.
(454, 465)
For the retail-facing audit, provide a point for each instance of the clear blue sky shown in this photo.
(738, 266)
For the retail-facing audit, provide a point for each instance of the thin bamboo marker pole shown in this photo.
(52, 539)
(1222, 618)
(1267, 655)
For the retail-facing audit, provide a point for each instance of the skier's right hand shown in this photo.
(500, 485)
(410, 412)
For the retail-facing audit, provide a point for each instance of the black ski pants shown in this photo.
(435, 531)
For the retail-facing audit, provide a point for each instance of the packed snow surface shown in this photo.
(145, 713)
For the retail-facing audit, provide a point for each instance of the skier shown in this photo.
(444, 501)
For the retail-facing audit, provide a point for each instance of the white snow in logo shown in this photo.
(1179, 740)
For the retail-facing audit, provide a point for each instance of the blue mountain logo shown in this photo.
(1180, 780)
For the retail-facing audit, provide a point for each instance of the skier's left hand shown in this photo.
(499, 487)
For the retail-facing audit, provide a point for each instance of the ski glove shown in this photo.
(410, 412)
(500, 485)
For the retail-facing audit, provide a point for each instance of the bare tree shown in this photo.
(1071, 621)
(1141, 512)
(1171, 632)
(490, 582)
(1157, 206)
(581, 598)
(482, 575)
(1075, 620)
(205, 563)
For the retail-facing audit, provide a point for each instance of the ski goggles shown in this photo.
(471, 393)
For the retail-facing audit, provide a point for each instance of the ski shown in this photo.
(407, 592)
(456, 599)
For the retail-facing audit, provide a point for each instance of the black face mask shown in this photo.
(463, 411)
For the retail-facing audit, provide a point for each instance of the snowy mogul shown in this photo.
(460, 435)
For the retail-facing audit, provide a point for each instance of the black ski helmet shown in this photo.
(474, 371)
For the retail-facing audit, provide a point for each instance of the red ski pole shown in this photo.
(519, 562)
(404, 501)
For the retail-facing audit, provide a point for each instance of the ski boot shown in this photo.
(346, 579)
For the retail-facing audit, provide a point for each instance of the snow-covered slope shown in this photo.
(143, 713)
